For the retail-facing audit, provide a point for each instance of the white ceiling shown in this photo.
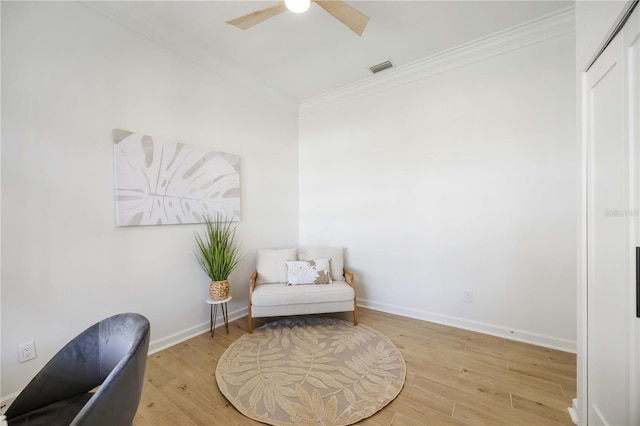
(310, 54)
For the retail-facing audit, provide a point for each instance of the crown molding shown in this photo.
(517, 37)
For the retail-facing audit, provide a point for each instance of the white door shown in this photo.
(632, 57)
(607, 239)
(612, 93)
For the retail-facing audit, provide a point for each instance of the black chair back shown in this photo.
(111, 354)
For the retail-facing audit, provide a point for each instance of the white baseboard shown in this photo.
(186, 334)
(6, 401)
(573, 411)
(494, 330)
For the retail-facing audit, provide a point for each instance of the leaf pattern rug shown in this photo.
(311, 371)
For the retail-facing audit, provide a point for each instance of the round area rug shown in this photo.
(311, 371)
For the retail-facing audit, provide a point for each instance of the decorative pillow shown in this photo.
(308, 272)
(271, 266)
(334, 253)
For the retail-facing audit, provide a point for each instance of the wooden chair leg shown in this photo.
(355, 312)
(250, 321)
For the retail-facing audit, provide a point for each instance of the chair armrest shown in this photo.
(252, 282)
(348, 276)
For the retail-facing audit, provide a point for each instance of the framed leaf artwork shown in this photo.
(161, 182)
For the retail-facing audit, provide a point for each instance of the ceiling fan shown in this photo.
(352, 18)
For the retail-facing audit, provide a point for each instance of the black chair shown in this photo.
(111, 354)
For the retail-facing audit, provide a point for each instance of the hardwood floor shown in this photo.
(454, 377)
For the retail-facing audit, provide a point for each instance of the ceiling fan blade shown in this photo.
(352, 18)
(254, 18)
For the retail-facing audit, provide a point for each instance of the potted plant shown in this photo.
(218, 255)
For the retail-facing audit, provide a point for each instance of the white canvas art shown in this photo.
(159, 181)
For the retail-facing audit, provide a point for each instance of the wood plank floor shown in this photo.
(454, 377)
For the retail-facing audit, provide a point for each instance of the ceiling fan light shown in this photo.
(297, 6)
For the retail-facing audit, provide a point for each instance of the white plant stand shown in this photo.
(214, 313)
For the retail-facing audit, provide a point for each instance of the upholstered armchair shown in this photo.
(273, 291)
(110, 355)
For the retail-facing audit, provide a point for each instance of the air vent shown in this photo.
(381, 67)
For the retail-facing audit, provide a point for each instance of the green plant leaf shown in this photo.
(216, 250)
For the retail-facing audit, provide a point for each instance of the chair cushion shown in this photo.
(308, 272)
(271, 266)
(282, 294)
(59, 413)
(336, 256)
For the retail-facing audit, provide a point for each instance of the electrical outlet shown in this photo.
(26, 351)
(468, 296)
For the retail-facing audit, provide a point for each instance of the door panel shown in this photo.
(607, 239)
(632, 46)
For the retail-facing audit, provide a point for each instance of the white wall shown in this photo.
(69, 76)
(465, 180)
